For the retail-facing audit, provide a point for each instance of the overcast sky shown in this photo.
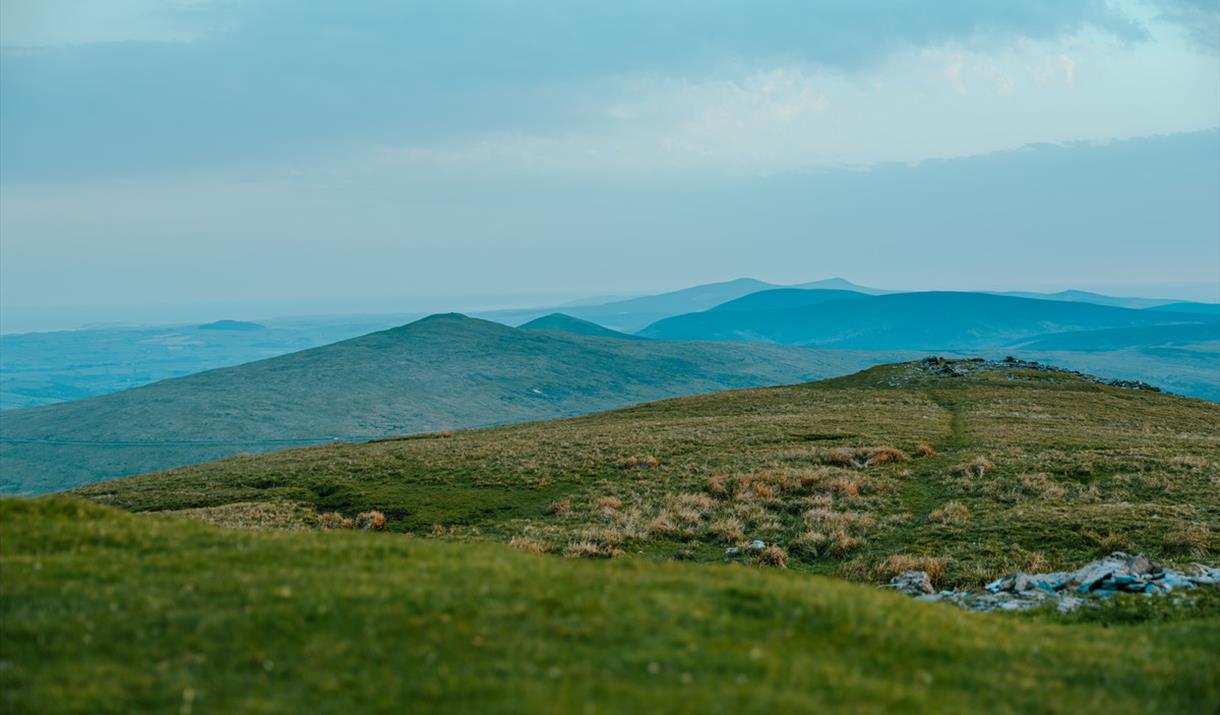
(362, 155)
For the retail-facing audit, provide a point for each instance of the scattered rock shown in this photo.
(1068, 590)
(732, 551)
(912, 583)
(757, 545)
(946, 367)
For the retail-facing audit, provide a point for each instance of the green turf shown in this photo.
(111, 612)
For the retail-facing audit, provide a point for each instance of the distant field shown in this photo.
(105, 612)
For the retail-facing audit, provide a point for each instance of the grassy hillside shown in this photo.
(105, 612)
(1020, 469)
(439, 373)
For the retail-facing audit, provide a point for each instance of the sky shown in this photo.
(269, 157)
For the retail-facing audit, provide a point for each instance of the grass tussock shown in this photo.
(530, 545)
(862, 457)
(924, 450)
(872, 571)
(1189, 461)
(951, 513)
(773, 555)
(560, 507)
(334, 520)
(978, 468)
(372, 520)
(609, 503)
(1193, 540)
(588, 550)
(729, 529)
(647, 462)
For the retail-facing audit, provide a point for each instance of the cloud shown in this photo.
(277, 81)
(1200, 19)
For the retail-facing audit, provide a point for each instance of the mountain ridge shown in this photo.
(442, 372)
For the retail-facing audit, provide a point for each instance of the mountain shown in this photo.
(1205, 308)
(558, 322)
(1118, 338)
(46, 368)
(635, 313)
(786, 298)
(840, 284)
(439, 373)
(909, 321)
(1082, 296)
(232, 325)
(632, 314)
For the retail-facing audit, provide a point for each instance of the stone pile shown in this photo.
(1067, 590)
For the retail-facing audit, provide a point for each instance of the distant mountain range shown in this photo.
(1176, 350)
(907, 321)
(633, 314)
(46, 368)
(440, 373)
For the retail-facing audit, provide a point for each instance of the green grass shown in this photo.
(1079, 470)
(111, 612)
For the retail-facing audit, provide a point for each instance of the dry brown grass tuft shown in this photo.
(1189, 461)
(861, 457)
(885, 455)
(924, 450)
(820, 500)
(773, 555)
(953, 512)
(893, 565)
(717, 487)
(1042, 486)
(700, 503)
(662, 526)
(811, 544)
(729, 528)
(609, 503)
(533, 546)
(842, 542)
(371, 520)
(1189, 540)
(846, 488)
(978, 467)
(560, 507)
(821, 518)
(334, 520)
(587, 550)
(647, 462)
(838, 457)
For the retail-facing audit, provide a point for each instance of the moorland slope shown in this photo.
(967, 469)
(440, 373)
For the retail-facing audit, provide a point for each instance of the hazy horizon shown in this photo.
(170, 162)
